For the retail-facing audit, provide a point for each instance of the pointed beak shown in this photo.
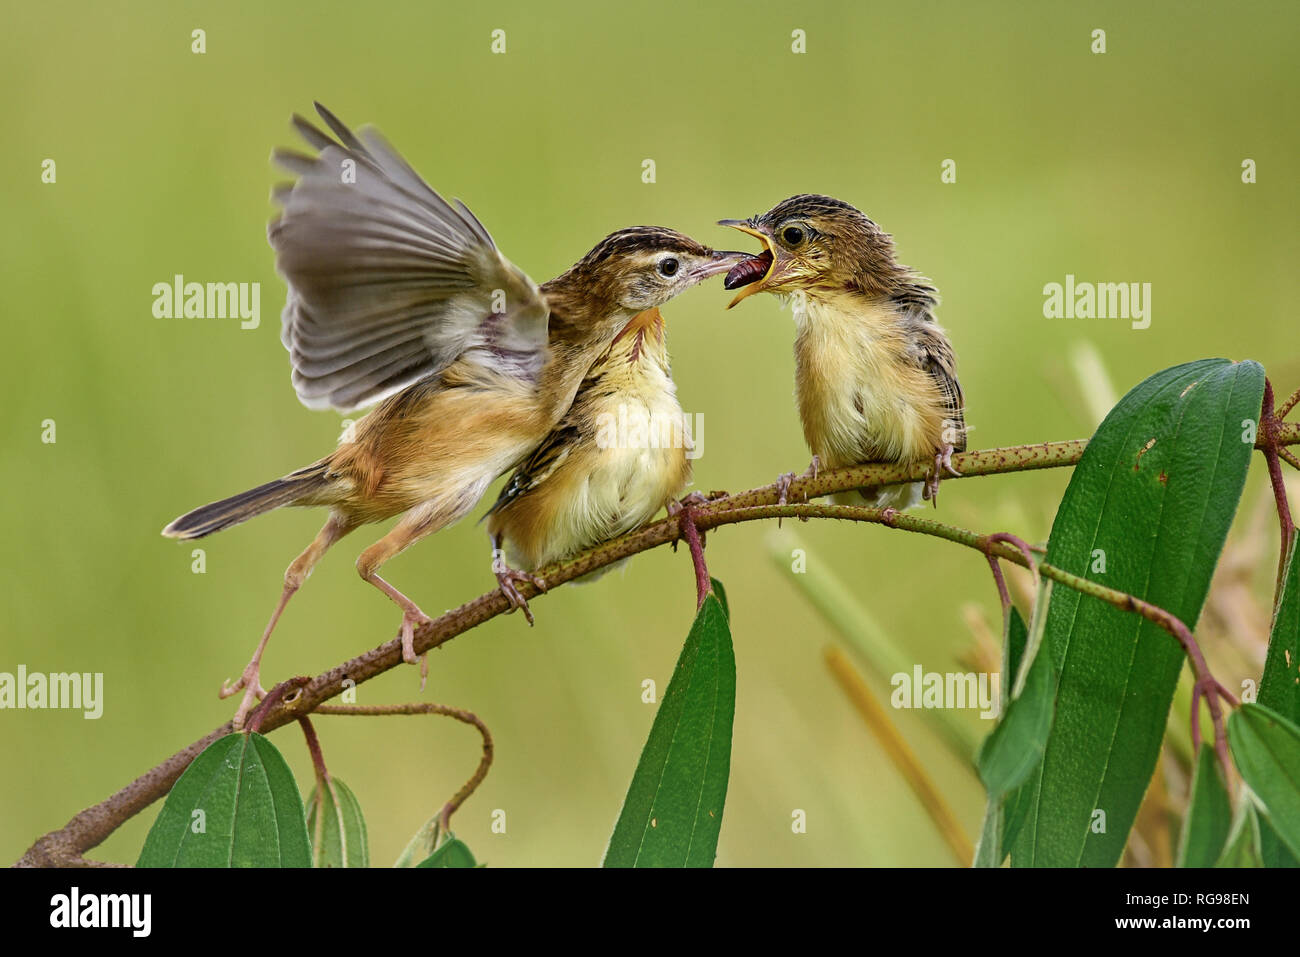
(745, 226)
(777, 258)
(721, 261)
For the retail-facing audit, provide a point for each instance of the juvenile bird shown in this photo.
(616, 458)
(399, 297)
(875, 375)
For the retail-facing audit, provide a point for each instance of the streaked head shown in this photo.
(813, 242)
(645, 266)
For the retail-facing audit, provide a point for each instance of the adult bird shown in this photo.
(398, 297)
(875, 375)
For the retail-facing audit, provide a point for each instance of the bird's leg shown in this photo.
(294, 576)
(507, 578)
(942, 463)
(412, 617)
(415, 525)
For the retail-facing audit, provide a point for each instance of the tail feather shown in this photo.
(296, 488)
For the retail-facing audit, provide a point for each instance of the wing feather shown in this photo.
(936, 357)
(388, 282)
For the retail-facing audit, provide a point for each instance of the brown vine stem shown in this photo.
(695, 543)
(89, 828)
(1030, 562)
(314, 749)
(418, 707)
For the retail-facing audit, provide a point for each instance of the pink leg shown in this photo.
(784, 481)
(415, 525)
(508, 579)
(942, 463)
(294, 576)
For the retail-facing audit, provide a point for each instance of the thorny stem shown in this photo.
(1285, 408)
(419, 707)
(89, 828)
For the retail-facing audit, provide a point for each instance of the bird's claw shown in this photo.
(784, 481)
(508, 577)
(783, 488)
(413, 618)
(690, 500)
(250, 683)
(942, 463)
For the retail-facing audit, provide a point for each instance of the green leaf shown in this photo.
(336, 826)
(991, 849)
(1242, 848)
(1015, 746)
(451, 853)
(1015, 804)
(722, 597)
(1005, 810)
(1209, 814)
(1150, 502)
(236, 805)
(673, 811)
(1279, 688)
(1273, 850)
(994, 837)
(1266, 749)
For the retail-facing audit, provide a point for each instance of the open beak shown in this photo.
(777, 259)
(721, 261)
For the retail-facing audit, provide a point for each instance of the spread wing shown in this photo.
(388, 282)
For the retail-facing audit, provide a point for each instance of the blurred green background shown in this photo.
(1117, 167)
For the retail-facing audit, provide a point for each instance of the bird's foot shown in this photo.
(783, 484)
(942, 463)
(507, 580)
(690, 500)
(783, 487)
(413, 618)
(250, 683)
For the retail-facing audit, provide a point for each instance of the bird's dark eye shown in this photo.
(668, 267)
(793, 235)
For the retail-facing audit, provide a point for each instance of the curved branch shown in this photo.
(92, 826)
(443, 817)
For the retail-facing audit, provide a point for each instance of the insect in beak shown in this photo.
(721, 261)
(757, 271)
